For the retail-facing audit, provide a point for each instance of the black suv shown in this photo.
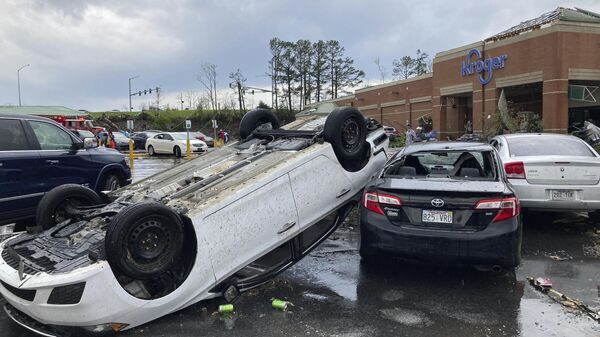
(38, 154)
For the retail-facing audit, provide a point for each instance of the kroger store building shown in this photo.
(549, 65)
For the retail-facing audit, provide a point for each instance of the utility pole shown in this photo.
(131, 78)
(19, 81)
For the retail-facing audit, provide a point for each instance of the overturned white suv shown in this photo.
(221, 224)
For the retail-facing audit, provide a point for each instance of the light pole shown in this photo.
(19, 80)
(131, 78)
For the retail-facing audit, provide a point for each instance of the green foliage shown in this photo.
(262, 105)
(399, 141)
(408, 66)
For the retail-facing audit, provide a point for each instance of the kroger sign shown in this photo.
(477, 65)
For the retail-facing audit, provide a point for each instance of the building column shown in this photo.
(438, 114)
(490, 103)
(478, 110)
(555, 106)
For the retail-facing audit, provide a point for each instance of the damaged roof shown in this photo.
(544, 20)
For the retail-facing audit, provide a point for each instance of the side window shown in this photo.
(168, 137)
(51, 137)
(158, 137)
(13, 135)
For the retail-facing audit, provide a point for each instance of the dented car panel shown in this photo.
(244, 208)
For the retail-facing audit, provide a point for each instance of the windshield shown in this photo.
(119, 135)
(464, 165)
(540, 146)
(180, 136)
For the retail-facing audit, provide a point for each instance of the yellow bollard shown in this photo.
(131, 155)
(187, 148)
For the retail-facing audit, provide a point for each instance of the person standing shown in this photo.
(410, 135)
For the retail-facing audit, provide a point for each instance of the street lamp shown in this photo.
(19, 80)
(131, 78)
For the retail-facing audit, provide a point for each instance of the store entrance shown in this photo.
(459, 114)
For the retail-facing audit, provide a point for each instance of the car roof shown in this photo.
(523, 135)
(451, 146)
(22, 116)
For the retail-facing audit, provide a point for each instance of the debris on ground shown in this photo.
(281, 304)
(225, 308)
(544, 285)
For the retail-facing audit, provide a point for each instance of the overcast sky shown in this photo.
(82, 52)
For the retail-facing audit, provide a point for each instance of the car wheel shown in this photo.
(111, 182)
(594, 217)
(53, 207)
(345, 129)
(151, 150)
(144, 240)
(177, 151)
(257, 119)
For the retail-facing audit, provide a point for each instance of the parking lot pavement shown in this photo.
(335, 295)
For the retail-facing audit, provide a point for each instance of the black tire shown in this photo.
(51, 209)
(345, 129)
(144, 240)
(151, 152)
(177, 151)
(256, 119)
(111, 182)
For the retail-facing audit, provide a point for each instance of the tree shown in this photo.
(303, 53)
(320, 67)
(238, 83)
(276, 47)
(408, 66)
(208, 79)
(288, 74)
(420, 63)
(403, 68)
(381, 70)
(263, 105)
(341, 69)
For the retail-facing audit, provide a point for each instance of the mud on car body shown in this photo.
(221, 224)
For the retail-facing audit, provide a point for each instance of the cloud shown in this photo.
(82, 52)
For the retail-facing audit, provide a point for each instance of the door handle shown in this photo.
(343, 192)
(286, 227)
(52, 162)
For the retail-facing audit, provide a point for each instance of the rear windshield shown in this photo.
(463, 165)
(547, 146)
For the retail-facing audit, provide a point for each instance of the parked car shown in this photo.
(552, 172)
(139, 139)
(173, 143)
(201, 136)
(38, 154)
(442, 202)
(82, 134)
(121, 141)
(221, 224)
(391, 132)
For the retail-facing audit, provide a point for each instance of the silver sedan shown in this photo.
(552, 172)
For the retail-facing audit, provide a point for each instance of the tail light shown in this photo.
(372, 201)
(507, 207)
(515, 170)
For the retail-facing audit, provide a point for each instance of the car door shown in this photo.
(61, 162)
(20, 179)
(318, 185)
(167, 143)
(250, 227)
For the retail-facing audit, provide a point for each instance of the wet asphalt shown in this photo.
(334, 294)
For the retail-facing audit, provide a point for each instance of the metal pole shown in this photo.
(131, 78)
(19, 81)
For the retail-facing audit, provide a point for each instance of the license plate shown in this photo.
(563, 195)
(436, 216)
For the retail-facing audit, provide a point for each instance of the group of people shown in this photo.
(106, 139)
(223, 136)
(421, 134)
